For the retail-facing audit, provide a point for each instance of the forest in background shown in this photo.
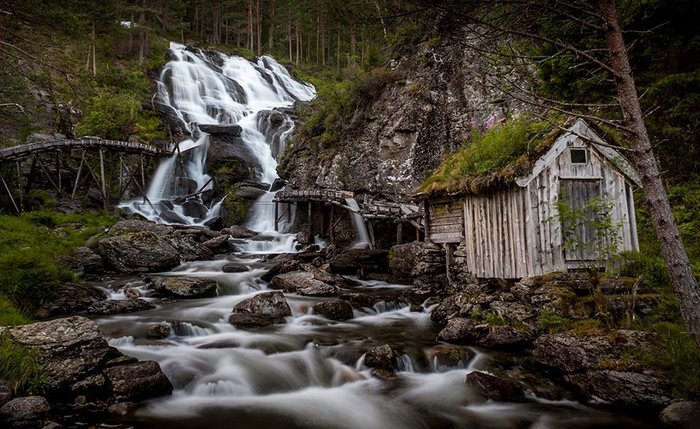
(94, 63)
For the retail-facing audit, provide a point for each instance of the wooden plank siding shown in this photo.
(446, 222)
(516, 232)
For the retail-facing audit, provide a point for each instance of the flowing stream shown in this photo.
(308, 372)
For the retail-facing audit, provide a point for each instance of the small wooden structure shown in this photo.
(515, 231)
(73, 166)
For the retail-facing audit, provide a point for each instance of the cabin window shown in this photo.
(578, 156)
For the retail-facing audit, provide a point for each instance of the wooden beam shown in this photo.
(399, 233)
(9, 193)
(103, 185)
(277, 227)
(77, 176)
(331, 225)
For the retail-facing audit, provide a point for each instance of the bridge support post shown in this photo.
(277, 228)
(331, 225)
(103, 185)
(399, 232)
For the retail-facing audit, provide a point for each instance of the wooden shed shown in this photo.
(515, 230)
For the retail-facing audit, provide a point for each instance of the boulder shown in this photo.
(303, 283)
(138, 252)
(495, 388)
(281, 267)
(403, 259)
(132, 293)
(504, 337)
(568, 354)
(459, 330)
(334, 310)
(236, 231)
(138, 381)
(681, 415)
(117, 306)
(260, 310)
(446, 357)
(381, 357)
(71, 298)
(367, 260)
(134, 225)
(85, 261)
(184, 287)
(189, 248)
(68, 349)
(26, 411)
(629, 389)
(234, 268)
(457, 305)
(219, 244)
(158, 331)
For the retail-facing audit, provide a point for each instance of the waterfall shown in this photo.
(360, 227)
(216, 89)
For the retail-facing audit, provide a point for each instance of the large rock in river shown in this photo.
(303, 283)
(260, 310)
(75, 359)
(25, 412)
(142, 251)
(369, 260)
(334, 310)
(184, 287)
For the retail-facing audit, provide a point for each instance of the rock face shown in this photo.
(27, 411)
(261, 310)
(681, 415)
(303, 283)
(495, 388)
(422, 109)
(368, 260)
(630, 389)
(71, 298)
(142, 251)
(137, 381)
(114, 306)
(184, 287)
(76, 360)
(568, 354)
(403, 258)
(334, 310)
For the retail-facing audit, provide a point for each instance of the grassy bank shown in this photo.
(30, 248)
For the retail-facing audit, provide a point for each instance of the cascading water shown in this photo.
(215, 89)
(363, 242)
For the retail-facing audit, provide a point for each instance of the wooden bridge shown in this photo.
(103, 169)
(372, 211)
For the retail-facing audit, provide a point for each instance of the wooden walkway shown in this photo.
(319, 195)
(102, 168)
(26, 150)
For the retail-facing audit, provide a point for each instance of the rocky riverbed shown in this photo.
(187, 327)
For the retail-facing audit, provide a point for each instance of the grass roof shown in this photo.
(492, 159)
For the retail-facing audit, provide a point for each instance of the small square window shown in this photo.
(578, 156)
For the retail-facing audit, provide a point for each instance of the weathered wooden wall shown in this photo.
(446, 222)
(517, 232)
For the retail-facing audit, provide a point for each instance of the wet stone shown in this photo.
(334, 310)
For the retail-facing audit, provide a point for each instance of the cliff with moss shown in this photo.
(383, 131)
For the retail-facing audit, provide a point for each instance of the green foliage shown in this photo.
(551, 322)
(338, 100)
(595, 215)
(110, 115)
(19, 367)
(29, 246)
(10, 315)
(489, 152)
(494, 319)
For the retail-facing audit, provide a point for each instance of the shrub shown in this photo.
(110, 115)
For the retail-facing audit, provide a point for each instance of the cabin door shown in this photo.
(578, 214)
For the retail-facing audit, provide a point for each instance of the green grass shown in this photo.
(19, 367)
(489, 152)
(29, 247)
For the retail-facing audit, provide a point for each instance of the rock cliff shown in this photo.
(388, 147)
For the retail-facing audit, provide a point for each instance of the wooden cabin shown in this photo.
(515, 230)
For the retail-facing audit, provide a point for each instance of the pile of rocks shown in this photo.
(80, 371)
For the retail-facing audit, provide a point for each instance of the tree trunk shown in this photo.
(258, 26)
(271, 28)
(131, 33)
(298, 40)
(289, 34)
(142, 34)
(250, 25)
(684, 282)
(94, 42)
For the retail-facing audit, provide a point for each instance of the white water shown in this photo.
(216, 89)
(363, 242)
